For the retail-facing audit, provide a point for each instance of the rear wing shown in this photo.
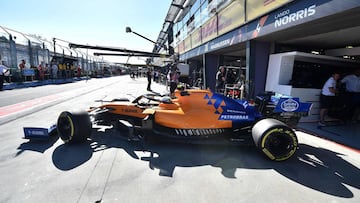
(283, 103)
(293, 104)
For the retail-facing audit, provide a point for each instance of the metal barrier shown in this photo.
(35, 50)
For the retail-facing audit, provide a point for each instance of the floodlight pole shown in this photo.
(128, 30)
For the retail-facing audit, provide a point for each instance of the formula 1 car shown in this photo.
(196, 116)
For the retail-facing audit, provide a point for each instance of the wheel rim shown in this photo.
(279, 145)
(65, 127)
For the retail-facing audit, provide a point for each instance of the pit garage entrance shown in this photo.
(323, 40)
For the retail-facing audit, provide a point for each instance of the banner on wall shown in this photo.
(181, 47)
(196, 38)
(187, 43)
(209, 30)
(257, 8)
(231, 17)
(229, 39)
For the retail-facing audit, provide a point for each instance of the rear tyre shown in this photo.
(74, 126)
(275, 139)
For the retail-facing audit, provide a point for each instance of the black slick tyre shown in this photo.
(74, 126)
(275, 139)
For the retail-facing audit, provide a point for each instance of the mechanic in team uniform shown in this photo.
(327, 97)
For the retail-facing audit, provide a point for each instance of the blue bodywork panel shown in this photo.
(38, 133)
(289, 104)
(237, 111)
(240, 111)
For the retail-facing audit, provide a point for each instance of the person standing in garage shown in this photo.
(220, 80)
(352, 95)
(327, 97)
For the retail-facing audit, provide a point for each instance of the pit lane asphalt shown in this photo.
(109, 169)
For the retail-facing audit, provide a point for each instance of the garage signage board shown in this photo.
(289, 15)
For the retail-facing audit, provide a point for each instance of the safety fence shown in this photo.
(40, 56)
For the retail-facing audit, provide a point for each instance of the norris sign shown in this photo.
(285, 17)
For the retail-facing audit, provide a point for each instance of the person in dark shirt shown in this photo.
(148, 74)
(220, 79)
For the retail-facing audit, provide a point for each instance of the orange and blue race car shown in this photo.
(196, 116)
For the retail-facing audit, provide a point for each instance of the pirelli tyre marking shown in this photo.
(71, 128)
(283, 140)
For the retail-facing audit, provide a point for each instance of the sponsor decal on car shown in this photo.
(31, 132)
(292, 104)
(129, 110)
(230, 109)
(234, 117)
(289, 105)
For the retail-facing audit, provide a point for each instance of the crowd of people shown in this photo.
(341, 97)
(41, 72)
(53, 71)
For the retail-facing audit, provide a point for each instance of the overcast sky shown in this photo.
(93, 22)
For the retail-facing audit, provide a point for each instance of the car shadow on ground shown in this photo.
(321, 169)
(316, 168)
(37, 145)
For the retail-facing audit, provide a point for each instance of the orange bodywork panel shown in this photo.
(126, 109)
(182, 112)
(192, 109)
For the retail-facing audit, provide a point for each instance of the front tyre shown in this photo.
(74, 126)
(275, 139)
